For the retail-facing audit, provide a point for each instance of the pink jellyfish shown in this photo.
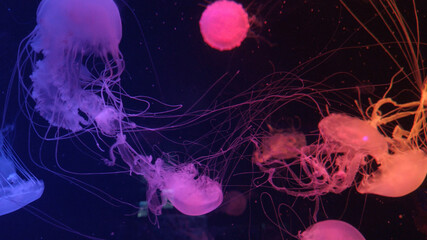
(70, 87)
(303, 170)
(191, 194)
(18, 187)
(224, 25)
(331, 230)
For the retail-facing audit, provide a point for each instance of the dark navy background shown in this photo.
(173, 64)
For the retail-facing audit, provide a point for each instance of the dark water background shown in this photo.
(185, 67)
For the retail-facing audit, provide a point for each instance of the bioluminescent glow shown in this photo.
(224, 25)
(76, 86)
(18, 186)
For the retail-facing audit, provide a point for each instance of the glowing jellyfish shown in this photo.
(77, 65)
(303, 170)
(279, 145)
(403, 167)
(66, 87)
(224, 25)
(352, 133)
(398, 175)
(331, 230)
(191, 194)
(18, 187)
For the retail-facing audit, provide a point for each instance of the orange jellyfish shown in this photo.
(403, 167)
(331, 230)
(224, 25)
(401, 171)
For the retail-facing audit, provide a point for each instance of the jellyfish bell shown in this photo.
(78, 25)
(398, 174)
(352, 133)
(191, 194)
(331, 230)
(224, 25)
(18, 186)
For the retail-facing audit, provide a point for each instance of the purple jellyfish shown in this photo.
(19, 187)
(71, 89)
(76, 65)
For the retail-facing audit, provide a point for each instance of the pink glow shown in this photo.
(224, 25)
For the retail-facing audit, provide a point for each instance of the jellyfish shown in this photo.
(303, 170)
(224, 25)
(68, 84)
(77, 65)
(19, 187)
(191, 194)
(351, 132)
(403, 167)
(279, 145)
(331, 230)
(188, 191)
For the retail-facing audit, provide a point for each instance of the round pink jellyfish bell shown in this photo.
(191, 194)
(224, 25)
(331, 230)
